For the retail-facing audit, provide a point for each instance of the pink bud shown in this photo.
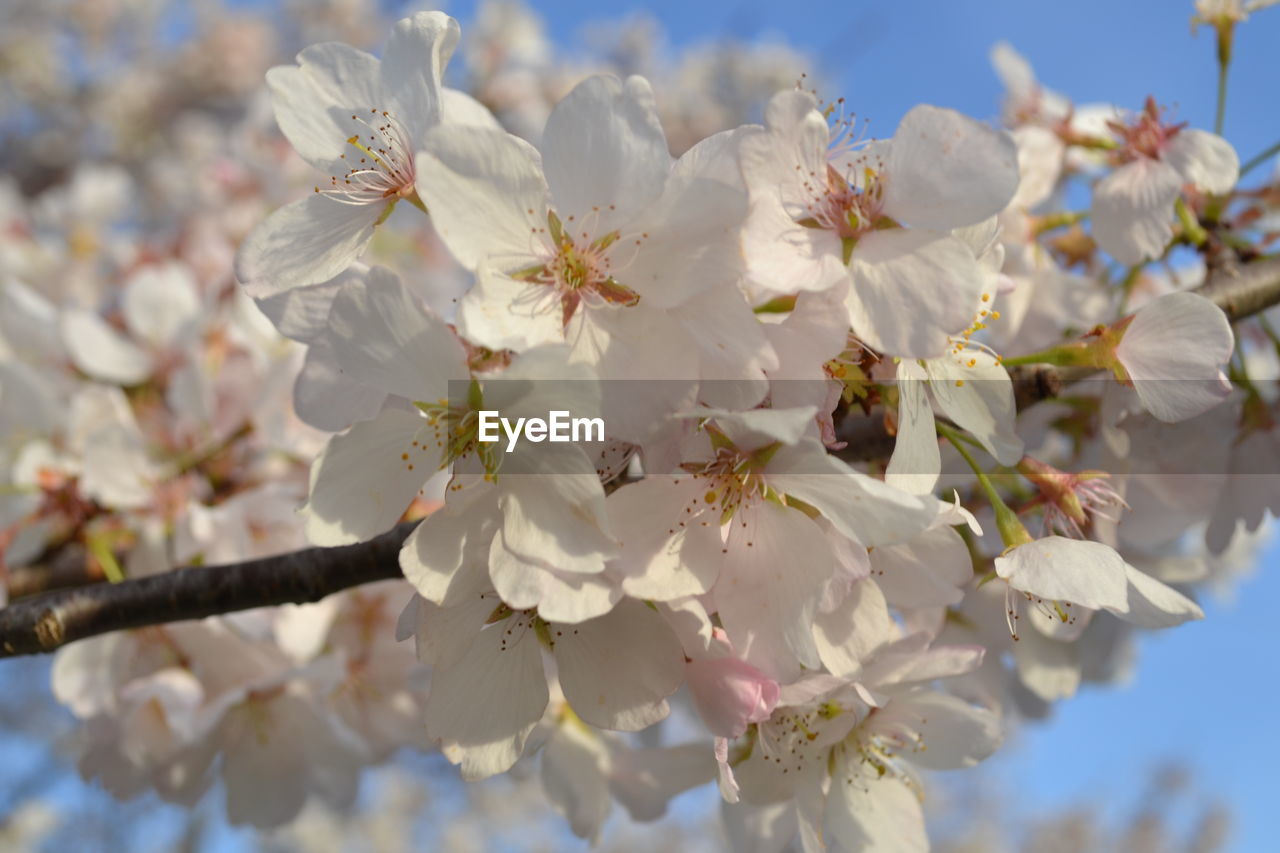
(730, 694)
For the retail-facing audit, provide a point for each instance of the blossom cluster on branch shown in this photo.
(703, 589)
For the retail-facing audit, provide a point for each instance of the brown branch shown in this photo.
(42, 623)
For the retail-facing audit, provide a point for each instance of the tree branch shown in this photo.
(44, 622)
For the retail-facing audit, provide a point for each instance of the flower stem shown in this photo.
(1260, 159)
(1011, 529)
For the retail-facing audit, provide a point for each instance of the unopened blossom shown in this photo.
(359, 121)
(1133, 206)
(825, 209)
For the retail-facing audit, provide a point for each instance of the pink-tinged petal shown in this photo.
(306, 242)
(313, 100)
(1055, 568)
(911, 289)
(381, 335)
(1204, 159)
(866, 811)
(916, 462)
(1132, 208)
(365, 478)
(483, 707)
(618, 670)
(730, 694)
(769, 588)
(413, 67)
(604, 151)
(100, 351)
(947, 170)
(486, 194)
(1175, 350)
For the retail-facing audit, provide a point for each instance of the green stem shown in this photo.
(1260, 159)
(1221, 115)
(1191, 228)
(1011, 529)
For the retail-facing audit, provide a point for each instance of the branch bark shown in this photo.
(42, 623)
(45, 622)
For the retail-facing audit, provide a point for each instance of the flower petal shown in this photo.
(911, 289)
(618, 670)
(947, 170)
(306, 242)
(1131, 210)
(1204, 159)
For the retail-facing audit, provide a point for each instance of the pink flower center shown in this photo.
(381, 157)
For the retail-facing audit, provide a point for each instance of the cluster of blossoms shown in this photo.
(820, 624)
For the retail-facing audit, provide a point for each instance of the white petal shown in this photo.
(313, 100)
(868, 510)
(101, 351)
(382, 336)
(327, 398)
(1153, 604)
(500, 312)
(553, 508)
(916, 462)
(362, 484)
(618, 670)
(929, 571)
(849, 635)
(1040, 157)
(866, 812)
(461, 108)
(1132, 208)
(980, 399)
(953, 734)
(303, 312)
(604, 148)
(1204, 159)
(480, 186)
(645, 780)
(1175, 350)
(567, 597)
(435, 556)
(483, 707)
(575, 773)
(306, 242)
(1059, 569)
(413, 66)
(657, 564)
(160, 303)
(911, 289)
(768, 591)
(947, 170)
(1048, 668)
